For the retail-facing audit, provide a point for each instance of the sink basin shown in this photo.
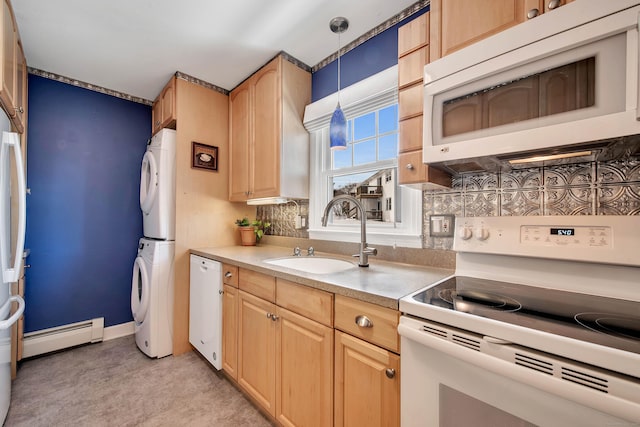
(315, 265)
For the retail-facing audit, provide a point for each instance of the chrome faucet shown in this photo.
(365, 251)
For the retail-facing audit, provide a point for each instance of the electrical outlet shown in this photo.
(298, 222)
(441, 225)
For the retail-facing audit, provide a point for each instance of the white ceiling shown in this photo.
(134, 46)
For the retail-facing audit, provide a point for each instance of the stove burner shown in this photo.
(486, 299)
(610, 324)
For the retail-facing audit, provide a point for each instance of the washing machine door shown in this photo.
(148, 182)
(139, 290)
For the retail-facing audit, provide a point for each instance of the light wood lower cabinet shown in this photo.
(230, 331)
(285, 361)
(283, 351)
(304, 367)
(257, 350)
(367, 384)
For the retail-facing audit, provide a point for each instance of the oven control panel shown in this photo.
(565, 235)
(602, 239)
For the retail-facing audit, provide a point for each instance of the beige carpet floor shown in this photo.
(114, 384)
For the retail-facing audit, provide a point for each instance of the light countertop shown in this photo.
(382, 283)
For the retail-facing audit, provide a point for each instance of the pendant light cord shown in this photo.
(338, 67)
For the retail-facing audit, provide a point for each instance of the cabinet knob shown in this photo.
(228, 275)
(409, 166)
(269, 315)
(364, 322)
(19, 109)
(553, 4)
(533, 13)
(390, 373)
(221, 292)
(274, 317)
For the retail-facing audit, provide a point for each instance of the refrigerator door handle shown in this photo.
(11, 275)
(5, 324)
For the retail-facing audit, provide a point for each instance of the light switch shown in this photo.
(441, 225)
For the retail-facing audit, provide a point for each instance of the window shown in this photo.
(366, 170)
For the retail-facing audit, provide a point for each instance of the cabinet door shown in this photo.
(169, 104)
(458, 23)
(256, 350)
(9, 45)
(21, 89)
(410, 101)
(367, 384)
(266, 132)
(239, 137)
(230, 331)
(304, 371)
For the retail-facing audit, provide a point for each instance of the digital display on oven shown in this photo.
(563, 231)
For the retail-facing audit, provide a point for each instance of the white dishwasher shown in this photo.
(205, 309)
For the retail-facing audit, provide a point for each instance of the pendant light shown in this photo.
(338, 125)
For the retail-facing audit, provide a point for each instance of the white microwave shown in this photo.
(556, 83)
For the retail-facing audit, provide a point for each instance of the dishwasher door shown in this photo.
(205, 309)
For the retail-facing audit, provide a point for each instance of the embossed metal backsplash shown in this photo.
(611, 188)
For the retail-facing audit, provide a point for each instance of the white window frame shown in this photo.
(368, 95)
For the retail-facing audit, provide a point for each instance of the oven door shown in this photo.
(445, 384)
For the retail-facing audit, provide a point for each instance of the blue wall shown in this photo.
(83, 214)
(371, 57)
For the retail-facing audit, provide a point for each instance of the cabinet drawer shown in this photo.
(230, 275)
(411, 134)
(411, 67)
(257, 284)
(410, 102)
(383, 329)
(311, 303)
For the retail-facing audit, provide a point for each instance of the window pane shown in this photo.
(342, 158)
(364, 152)
(388, 147)
(388, 119)
(364, 126)
(372, 190)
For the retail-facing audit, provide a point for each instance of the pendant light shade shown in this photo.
(338, 125)
(338, 130)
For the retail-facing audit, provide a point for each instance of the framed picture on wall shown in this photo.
(204, 156)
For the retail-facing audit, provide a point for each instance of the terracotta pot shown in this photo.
(247, 235)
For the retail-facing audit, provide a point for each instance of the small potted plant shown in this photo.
(251, 231)
(247, 232)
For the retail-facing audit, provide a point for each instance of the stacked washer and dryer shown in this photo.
(152, 281)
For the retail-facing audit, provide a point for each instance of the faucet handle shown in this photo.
(311, 251)
(370, 251)
(296, 251)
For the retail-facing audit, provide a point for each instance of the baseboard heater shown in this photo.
(61, 337)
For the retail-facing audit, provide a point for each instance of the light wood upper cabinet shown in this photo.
(13, 70)
(163, 111)
(413, 54)
(367, 384)
(269, 147)
(459, 23)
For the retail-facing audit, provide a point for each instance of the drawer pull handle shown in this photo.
(554, 4)
(228, 275)
(364, 322)
(390, 373)
(533, 13)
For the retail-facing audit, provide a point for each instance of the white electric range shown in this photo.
(540, 325)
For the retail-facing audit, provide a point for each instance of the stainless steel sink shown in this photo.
(315, 265)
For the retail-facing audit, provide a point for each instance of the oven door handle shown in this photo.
(412, 330)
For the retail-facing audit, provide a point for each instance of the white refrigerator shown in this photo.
(12, 233)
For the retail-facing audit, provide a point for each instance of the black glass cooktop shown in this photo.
(605, 321)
